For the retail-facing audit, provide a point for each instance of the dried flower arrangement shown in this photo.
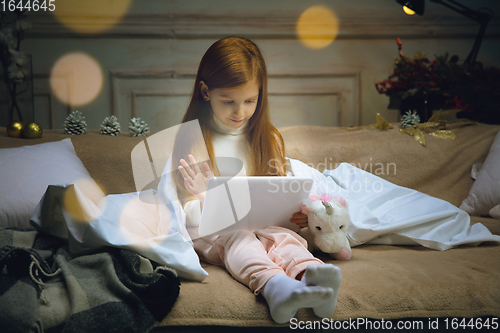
(15, 63)
(419, 82)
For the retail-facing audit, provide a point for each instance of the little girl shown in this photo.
(230, 102)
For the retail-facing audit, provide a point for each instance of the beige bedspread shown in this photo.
(441, 168)
(380, 281)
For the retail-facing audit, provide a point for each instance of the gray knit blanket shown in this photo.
(44, 289)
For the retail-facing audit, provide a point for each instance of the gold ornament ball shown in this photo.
(15, 129)
(32, 131)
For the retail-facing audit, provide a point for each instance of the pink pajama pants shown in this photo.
(253, 258)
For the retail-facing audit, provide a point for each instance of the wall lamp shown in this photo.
(481, 16)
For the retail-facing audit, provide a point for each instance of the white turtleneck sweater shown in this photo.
(227, 142)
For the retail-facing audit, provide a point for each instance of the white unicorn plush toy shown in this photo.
(328, 222)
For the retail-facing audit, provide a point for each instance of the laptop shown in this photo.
(252, 203)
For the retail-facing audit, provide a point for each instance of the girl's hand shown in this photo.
(195, 181)
(299, 219)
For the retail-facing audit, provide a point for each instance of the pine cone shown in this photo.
(136, 127)
(75, 123)
(110, 126)
(410, 119)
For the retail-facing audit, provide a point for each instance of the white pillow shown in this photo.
(485, 192)
(495, 212)
(25, 173)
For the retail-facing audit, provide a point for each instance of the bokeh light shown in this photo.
(139, 221)
(91, 16)
(408, 10)
(76, 79)
(317, 27)
(76, 200)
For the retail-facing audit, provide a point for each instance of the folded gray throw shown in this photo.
(44, 289)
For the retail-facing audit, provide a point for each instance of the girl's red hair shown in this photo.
(231, 62)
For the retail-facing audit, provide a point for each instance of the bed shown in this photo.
(395, 286)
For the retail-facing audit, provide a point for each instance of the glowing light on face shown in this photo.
(317, 27)
(234, 106)
(76, 79)
(91, 16)
(408, 10)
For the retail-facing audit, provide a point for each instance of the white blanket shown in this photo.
(153, 223)
(384, 213)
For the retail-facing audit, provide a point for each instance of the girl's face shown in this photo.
(233, 106)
